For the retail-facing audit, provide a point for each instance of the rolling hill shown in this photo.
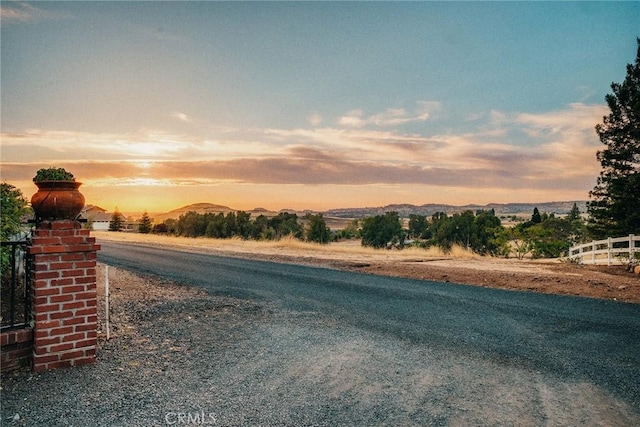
(404, 210)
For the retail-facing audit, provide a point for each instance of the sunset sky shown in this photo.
(304, 105)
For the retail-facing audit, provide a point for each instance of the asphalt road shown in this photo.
(568, 341)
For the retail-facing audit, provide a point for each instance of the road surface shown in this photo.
(579, 352)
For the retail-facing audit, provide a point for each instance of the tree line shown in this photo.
(482, 232)
(239, 224)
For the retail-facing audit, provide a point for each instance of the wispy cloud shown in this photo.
(17, 12)
(391, 116)
(315, 119)
(182, 117)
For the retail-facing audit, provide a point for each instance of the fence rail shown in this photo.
(608, 251)
(15, 295)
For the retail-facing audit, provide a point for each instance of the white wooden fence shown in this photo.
(609, 251)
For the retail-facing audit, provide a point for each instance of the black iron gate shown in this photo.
(15, 300)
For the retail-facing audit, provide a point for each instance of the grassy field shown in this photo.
(345, 250)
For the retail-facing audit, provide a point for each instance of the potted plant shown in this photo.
(57, 196)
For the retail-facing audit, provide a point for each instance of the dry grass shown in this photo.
(348, 249)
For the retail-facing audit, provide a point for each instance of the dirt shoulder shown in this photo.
(562, 279)
(613, 283)
(552, 277)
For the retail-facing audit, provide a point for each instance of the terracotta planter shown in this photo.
(57, 200)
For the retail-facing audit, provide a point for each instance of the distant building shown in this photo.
(98, 218)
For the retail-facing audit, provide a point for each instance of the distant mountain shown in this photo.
(200, 208)
(203, 208)
(404, 210)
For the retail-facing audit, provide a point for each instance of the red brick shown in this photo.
(47, 308)
(64, 225)
(38, 259)
(91, 302)
(41, 317)
(78, 256)
(85, 295)
(61, 298)
(43, 275)
(41, 342)
(41, 333)
(25, 335)
(45, 358)
(34, 250)
(86, 311)
(43, 292)
(41, 301)
(86, 327)
(65, 265)
(60, 347)
(72, 289)
(64, 330)
(73, 273)
(61, 315)
(74, 337)
(85, 264)
(49, 325)
(73, 305)
(86, 343)
(80, 248)
(93, 318)
(73, 240)
(85, 279)
(50, 249)
(72, 355)
(42, 241)
(40, 266)
(62, 282)
(77, 320)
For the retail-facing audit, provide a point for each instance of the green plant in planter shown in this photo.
(57, 196)
(53, 174)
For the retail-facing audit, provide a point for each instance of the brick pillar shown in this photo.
(63, 279)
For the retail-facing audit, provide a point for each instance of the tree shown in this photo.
(574, 213)
(382, 231)
(614, 208)
(145, 224)
(243, 224)
(317, 230)
(517, 241)
(285, 224)
(117, 221)
(191, 224)
(12, 208)
(418, 226)
(536, 218)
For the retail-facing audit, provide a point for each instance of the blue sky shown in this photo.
(311, 105)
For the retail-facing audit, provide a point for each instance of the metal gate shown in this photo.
(15, 300)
